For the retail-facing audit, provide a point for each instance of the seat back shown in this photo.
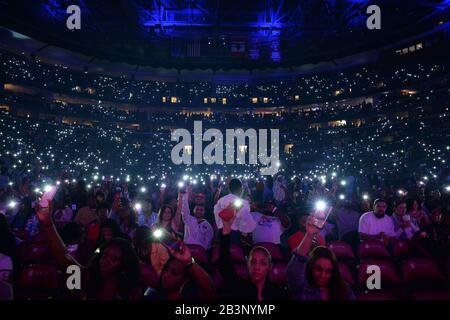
(401, 249)
(369, 249)
(421, 271)
(388, 273)
(274, 250)
(39, 276)
(342, 250)
(236, 251)
(278, 273)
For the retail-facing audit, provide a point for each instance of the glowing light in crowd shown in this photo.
(138, 206)
(365, 196)
(158, 233)
(341, 197)
(180, 184)
(12, 204)
(321, 205)
(143, 189)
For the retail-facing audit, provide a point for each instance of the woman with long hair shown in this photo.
(113, 272)
(315, 275)
(168, 218)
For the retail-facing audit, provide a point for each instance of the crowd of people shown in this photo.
(372, 190)
(309, 88)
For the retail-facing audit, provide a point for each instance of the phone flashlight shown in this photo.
(238, 203)
(138, 206)
(321, 205)
(180, 184)
(158, 233)
(365, 197)
(12, 204)
(163, 185)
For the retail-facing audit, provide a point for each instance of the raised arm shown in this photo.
(225, 264)
(296, 271)
(57, 246)
(207, 290)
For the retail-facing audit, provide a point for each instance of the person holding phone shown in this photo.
(259, 264)
(314, 274)
(243, 221)
(182, 279)
(404, 226)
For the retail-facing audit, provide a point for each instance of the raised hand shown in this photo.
(183, 254)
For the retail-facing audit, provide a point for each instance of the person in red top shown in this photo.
(296, 238)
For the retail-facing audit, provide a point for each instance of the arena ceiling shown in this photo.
(220, 34)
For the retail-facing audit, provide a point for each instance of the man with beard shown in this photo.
(376, 224)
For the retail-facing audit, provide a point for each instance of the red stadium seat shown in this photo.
(241, 270)
(198, 253)
(37, 281)
(379, 295)
(148, 275)
(389, 276)
(278, 273)
(237, 254)
(274, 250)
(372, 249)
(342, 250)
(421, 271)
(401, 249)
(21, 234)
(346, 274)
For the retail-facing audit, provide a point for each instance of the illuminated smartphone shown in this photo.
(321, 214)
(48, 196)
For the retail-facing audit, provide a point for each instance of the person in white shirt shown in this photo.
(244, 221)
(197, 230)
(270, 224)
(376, 225)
